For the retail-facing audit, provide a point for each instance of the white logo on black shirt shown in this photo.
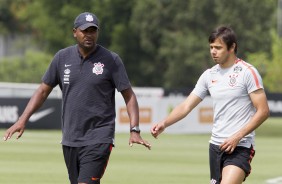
(98, 68)
(67, 76)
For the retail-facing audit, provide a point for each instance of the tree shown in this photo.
(272, 79)
(52, 33)
(173, 38)
(252, 21)
(28, 69)
(8, 21)
(162, 43)
(173, 35)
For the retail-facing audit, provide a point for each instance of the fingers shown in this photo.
(155, 131)
(142, 142)
(10, 132)
(20, 134)
(147, 145)
(227, 148)
(8, 135)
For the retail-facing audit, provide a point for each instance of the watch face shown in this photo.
(135, 129)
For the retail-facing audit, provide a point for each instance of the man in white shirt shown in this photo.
(240, 106)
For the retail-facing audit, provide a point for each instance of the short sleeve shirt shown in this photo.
(88, 93)
(229, 89)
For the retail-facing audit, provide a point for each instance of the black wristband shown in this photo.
(135, 129)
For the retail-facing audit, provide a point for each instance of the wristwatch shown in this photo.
(135, 129)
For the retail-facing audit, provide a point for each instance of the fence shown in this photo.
(154, 106)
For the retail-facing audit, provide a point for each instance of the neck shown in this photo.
(86, 51)
(229, 61)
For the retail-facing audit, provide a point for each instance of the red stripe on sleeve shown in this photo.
(253, 73)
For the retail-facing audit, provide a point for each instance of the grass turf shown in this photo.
(37, 158)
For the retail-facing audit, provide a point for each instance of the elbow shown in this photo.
(266, 113)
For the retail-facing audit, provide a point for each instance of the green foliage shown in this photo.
(50, 21)
(175, 40)
(261, 61)
(273, 79)
(270, 67)
(251, 20)
(8, 21)
(28, 69)
(162, 43)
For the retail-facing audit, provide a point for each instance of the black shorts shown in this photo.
(87, 164)
(240, 157)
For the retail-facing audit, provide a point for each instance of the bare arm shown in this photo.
(132, 106)
(34, 103)
(177, 114)
(133, 113)
(259, 101)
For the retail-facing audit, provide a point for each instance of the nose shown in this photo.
(213, 51)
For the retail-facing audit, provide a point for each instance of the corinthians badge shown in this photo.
(98, 68)
(233, 79)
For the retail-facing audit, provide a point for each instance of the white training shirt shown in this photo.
(230, 88)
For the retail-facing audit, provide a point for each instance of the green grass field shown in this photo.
(181, 159)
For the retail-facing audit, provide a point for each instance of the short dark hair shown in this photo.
(227, 35)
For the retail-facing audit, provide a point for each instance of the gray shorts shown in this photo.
(241, 157)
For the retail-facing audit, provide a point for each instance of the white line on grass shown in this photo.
(277, 180)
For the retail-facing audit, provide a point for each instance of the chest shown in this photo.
(85, 72)
(227, 84)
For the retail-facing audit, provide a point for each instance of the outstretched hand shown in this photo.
(17, 127)
(136, 138)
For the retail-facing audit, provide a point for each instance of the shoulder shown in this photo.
(212, 70)
(242, 65)
(245, 67)
(106, 51)
(69, 49)
(109, 55)
(66, 52)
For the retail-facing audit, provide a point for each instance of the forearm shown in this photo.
(133, 111)
(36, 101)
(259, 101)
(176, 115)
(131, 106)
(182, 110)
(254, 123)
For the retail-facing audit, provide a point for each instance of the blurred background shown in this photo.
(164, 46)
(163, 43)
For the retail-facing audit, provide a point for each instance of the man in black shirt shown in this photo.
(88, 75)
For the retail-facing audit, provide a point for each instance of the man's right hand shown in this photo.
(157, 129)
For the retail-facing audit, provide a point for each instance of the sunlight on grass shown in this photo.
(37, 158)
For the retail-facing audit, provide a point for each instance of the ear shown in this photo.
(233, 46)
(74, 32)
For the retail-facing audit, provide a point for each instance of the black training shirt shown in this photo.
(88, 88)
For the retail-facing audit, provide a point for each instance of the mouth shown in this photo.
(88, 42)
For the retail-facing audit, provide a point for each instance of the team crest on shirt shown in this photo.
(98, 68)
(237, 69)
(233, 80)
